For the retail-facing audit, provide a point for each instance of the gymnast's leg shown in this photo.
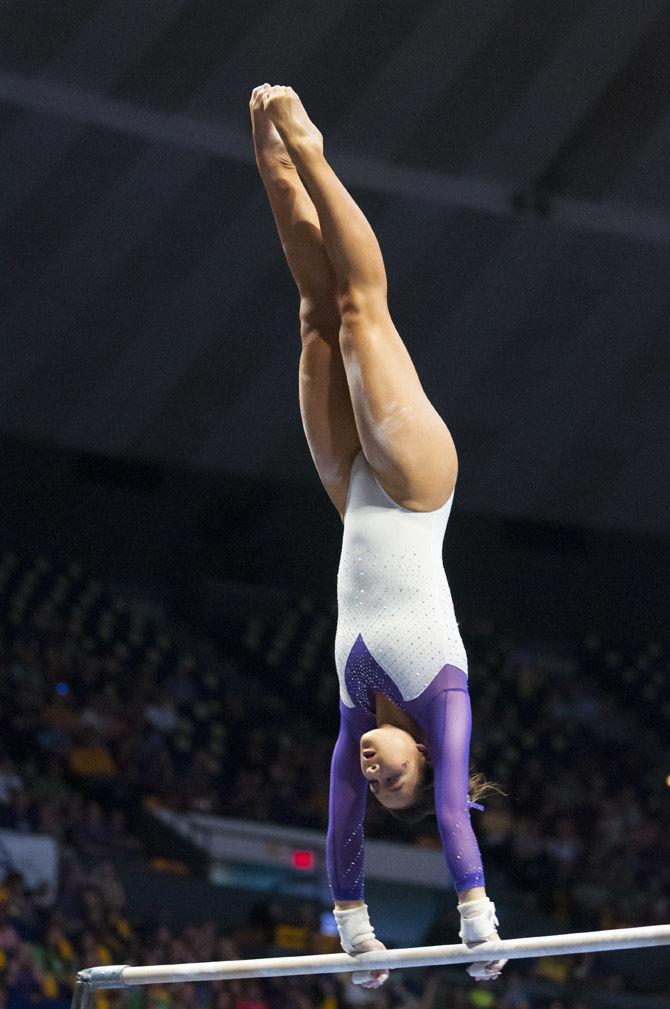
(404, 439)
(325, 402)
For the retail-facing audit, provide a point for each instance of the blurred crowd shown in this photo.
(109, 703)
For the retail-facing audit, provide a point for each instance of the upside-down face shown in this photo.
(393, 763)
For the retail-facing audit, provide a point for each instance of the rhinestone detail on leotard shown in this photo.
(365, 677)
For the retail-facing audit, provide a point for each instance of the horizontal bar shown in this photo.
(422, 956)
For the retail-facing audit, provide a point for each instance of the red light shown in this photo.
(303, 859)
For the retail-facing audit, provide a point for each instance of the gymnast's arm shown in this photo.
(344, 843)
(346, 811)
(447, 724)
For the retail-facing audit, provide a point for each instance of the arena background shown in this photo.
(513, 160)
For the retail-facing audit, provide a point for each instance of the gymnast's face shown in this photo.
(392, 762)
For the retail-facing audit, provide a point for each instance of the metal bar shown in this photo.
(82, 997)
(422, 956)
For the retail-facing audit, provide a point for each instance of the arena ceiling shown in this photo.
(512, 157)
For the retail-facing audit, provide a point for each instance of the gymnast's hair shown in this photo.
(478, 787)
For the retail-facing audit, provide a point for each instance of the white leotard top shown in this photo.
(392, 588)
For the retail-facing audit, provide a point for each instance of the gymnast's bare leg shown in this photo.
(325, 402)
(404, 439)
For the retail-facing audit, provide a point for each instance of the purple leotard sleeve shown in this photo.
(447, 722)
(446, 719)
(348, 793)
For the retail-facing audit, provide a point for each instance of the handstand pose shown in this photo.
(388, 463)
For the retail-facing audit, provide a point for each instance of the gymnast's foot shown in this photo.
(270, 149)
(292, 122)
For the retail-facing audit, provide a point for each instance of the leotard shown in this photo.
(397, 635)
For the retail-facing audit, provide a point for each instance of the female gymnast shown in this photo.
(387, 461)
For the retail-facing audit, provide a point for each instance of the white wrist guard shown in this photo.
(478, 919)
(354, 927)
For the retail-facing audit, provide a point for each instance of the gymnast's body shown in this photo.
(388, 463)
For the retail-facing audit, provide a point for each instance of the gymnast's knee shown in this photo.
(362, 305)
(319, 314)
(363, 329)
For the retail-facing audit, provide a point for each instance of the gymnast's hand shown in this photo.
(358, 936)
(478, 925)
(369, 978)
(483, 971)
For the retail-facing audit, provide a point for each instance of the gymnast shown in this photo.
(388, 463)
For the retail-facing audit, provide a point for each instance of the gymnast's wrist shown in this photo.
(354, 927)
(345, 905)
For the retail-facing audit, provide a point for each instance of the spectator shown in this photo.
(19, 812)
(91, 757)
(10, 939)
(11, 783)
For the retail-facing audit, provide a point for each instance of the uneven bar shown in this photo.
(122, 976)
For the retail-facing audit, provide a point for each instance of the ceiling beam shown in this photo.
(31, 148)
(219, 140)
(575, 76)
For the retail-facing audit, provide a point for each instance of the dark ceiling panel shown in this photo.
(619, 124)
(68, 193)
(32, 32)
(109, 42)
(241, 345)
(356, 49)
(8, 117)
(146, 307)
(451, 129)
(188, 52)
(444, 269)
(205, 302)
(431, 55)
